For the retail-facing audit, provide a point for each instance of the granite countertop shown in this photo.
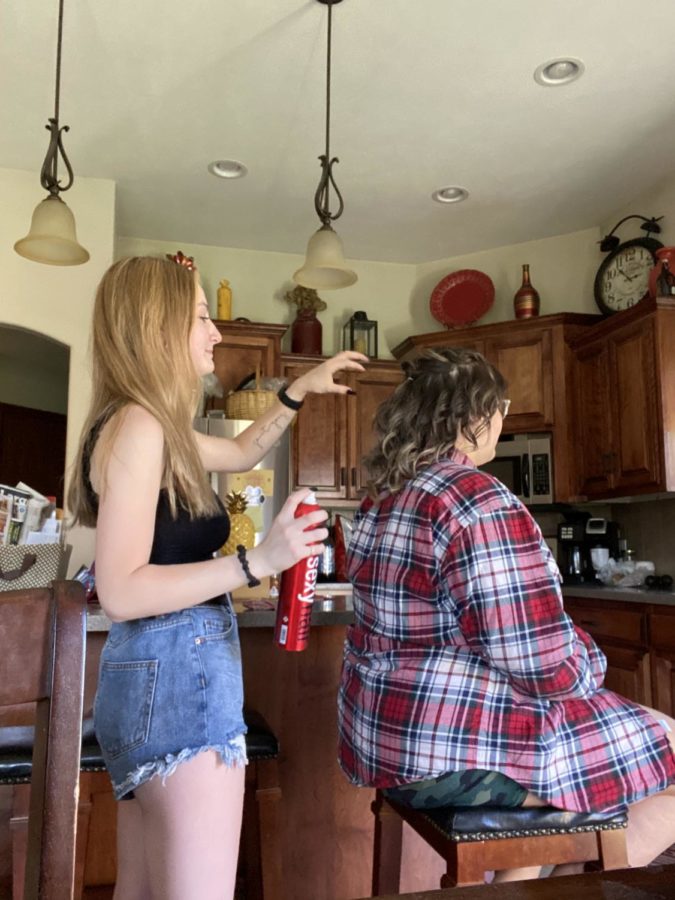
(332, 606)
(628, 595)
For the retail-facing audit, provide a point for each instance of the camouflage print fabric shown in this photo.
(473, 787)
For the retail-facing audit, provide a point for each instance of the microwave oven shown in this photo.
(523, 463)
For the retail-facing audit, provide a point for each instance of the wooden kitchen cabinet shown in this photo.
(525, 359)
(639, 642)
(332, 433)
(535, 358)
(372, 388)
(625, 412)
(318, 442)
(620, 630)
(245, 346)
(662, 631)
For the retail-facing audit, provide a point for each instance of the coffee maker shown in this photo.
(574, 560)
(578, 535)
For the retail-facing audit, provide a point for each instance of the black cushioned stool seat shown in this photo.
(260, 859)
(16, 748)
(474, 840)
(478, 823)
(16, 752)
(261, 742)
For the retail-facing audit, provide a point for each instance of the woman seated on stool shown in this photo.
(464, 681)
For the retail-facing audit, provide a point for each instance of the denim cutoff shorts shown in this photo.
(170, 687)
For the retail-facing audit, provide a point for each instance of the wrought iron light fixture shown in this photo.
(611, 240)
(52, 239)
(324, 267)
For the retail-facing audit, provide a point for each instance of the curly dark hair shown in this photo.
(446, 393)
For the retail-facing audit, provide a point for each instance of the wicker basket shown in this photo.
(249, 404)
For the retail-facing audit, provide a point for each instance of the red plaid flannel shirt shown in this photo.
(462, 657)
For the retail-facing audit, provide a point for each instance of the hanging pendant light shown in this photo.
(325, 267)
(52, 239)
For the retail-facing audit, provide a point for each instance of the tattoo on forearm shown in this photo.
(269, 432)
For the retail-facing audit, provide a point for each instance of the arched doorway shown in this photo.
(33, 410)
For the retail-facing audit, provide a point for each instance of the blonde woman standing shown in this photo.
(168, 711)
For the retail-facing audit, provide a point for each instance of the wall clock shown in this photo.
(623, 277)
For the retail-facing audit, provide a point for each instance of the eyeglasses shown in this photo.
(504, 408)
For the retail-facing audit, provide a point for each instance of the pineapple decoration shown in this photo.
(242, 529)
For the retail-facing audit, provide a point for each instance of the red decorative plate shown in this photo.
(462, 297)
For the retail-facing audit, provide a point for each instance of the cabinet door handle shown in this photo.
(343, 476)
(353, 476)
(588, 623)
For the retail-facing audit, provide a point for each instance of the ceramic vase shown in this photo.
(306, 333)
(664, 254)
(526, 299)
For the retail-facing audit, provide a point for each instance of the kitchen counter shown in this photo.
(627, 595)
(332, 606)
(336, 609)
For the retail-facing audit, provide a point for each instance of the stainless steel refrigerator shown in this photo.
(266, 485)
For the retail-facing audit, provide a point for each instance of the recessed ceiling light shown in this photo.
(227, 168)
(450, 195)
(559, 71)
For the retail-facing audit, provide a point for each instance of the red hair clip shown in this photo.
(183, 260)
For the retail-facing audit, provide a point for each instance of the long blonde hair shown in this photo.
(446, 394)
(143, 314)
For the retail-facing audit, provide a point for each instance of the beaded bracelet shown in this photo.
(252, 581)
(295, 405)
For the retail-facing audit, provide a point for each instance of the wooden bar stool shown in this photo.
(42, 647)
(473, 840)
(16, 748)
(260, 855)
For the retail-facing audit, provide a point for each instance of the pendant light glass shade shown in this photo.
(52, 239)
(325, 267)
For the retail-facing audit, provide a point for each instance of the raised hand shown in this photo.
(319, 380)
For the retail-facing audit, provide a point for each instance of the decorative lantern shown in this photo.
(360, 333)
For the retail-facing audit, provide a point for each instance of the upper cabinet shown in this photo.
(624, 391)
(245, 347)
(534, 357)
(603, 388)
(333, 432)
(525, 359)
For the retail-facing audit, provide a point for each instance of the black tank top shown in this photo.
(179, 540)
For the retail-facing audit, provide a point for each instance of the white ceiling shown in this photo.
(426, 93)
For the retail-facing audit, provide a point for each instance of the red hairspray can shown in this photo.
(296, 594)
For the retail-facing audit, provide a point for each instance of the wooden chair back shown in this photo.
(42, 649)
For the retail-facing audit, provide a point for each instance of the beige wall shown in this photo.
(57, 301)
(259, 281)
(33, 385)
(562, 269)
(660, 201)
